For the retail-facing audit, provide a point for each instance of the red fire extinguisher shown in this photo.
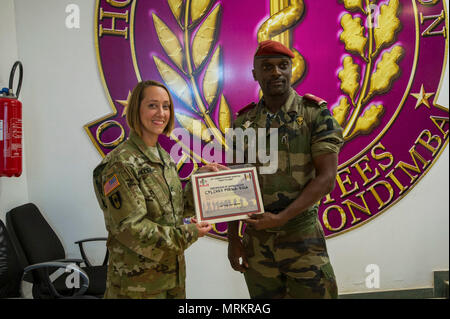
(11, 127)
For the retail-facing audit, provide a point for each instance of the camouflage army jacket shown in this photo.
(306, 129)
(142, 201)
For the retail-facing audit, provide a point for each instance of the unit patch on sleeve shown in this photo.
(116, 200)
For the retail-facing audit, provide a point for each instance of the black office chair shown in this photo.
(35, 242)
(12, 275)
(10, 272)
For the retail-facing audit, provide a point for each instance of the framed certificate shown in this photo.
(227, 195)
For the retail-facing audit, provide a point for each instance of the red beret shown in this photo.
(270, 48)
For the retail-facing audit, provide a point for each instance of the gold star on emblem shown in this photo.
(124, 103)
(422, 98)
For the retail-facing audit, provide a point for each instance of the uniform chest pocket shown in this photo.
(300, 159)
(295, 147)
(156, 194)
(298, 137)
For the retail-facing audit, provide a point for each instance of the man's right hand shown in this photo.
(235, 253)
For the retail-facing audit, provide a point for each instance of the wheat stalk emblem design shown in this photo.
(364, 74)
(189, 61)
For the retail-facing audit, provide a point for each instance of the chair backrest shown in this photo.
(32, 235)
(10, 271)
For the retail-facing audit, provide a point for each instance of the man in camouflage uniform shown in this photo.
(142, 200)
(283, 251)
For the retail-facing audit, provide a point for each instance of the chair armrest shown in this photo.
(83, 254)
(91, 239)
(77, 261)
(84, 282)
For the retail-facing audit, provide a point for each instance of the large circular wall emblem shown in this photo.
(378, 64)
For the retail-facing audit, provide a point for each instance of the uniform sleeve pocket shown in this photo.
(327, 270)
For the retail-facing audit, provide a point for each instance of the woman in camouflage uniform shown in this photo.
(139, 191)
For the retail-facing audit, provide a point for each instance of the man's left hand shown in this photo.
(264, 221)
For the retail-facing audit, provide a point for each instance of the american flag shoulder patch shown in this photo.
(111, 185)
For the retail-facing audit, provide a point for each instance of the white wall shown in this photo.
(62, 92)
(13, 190)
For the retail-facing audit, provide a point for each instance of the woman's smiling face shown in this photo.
(154, 112)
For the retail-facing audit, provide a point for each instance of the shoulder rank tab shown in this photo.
(246, 108)
(315, 99)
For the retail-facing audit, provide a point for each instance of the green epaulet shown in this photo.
(246, 108)
(314, 99)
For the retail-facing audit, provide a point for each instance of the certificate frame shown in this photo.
(229, 201)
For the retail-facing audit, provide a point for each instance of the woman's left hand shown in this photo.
(202, 227)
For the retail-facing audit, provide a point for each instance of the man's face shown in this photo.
(273, 75)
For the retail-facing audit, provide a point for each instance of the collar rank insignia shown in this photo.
(300, 120)
(247, 124)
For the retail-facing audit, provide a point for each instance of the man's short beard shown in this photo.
(269, 92)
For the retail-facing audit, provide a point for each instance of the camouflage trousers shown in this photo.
(178, 292)
(289, 263)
